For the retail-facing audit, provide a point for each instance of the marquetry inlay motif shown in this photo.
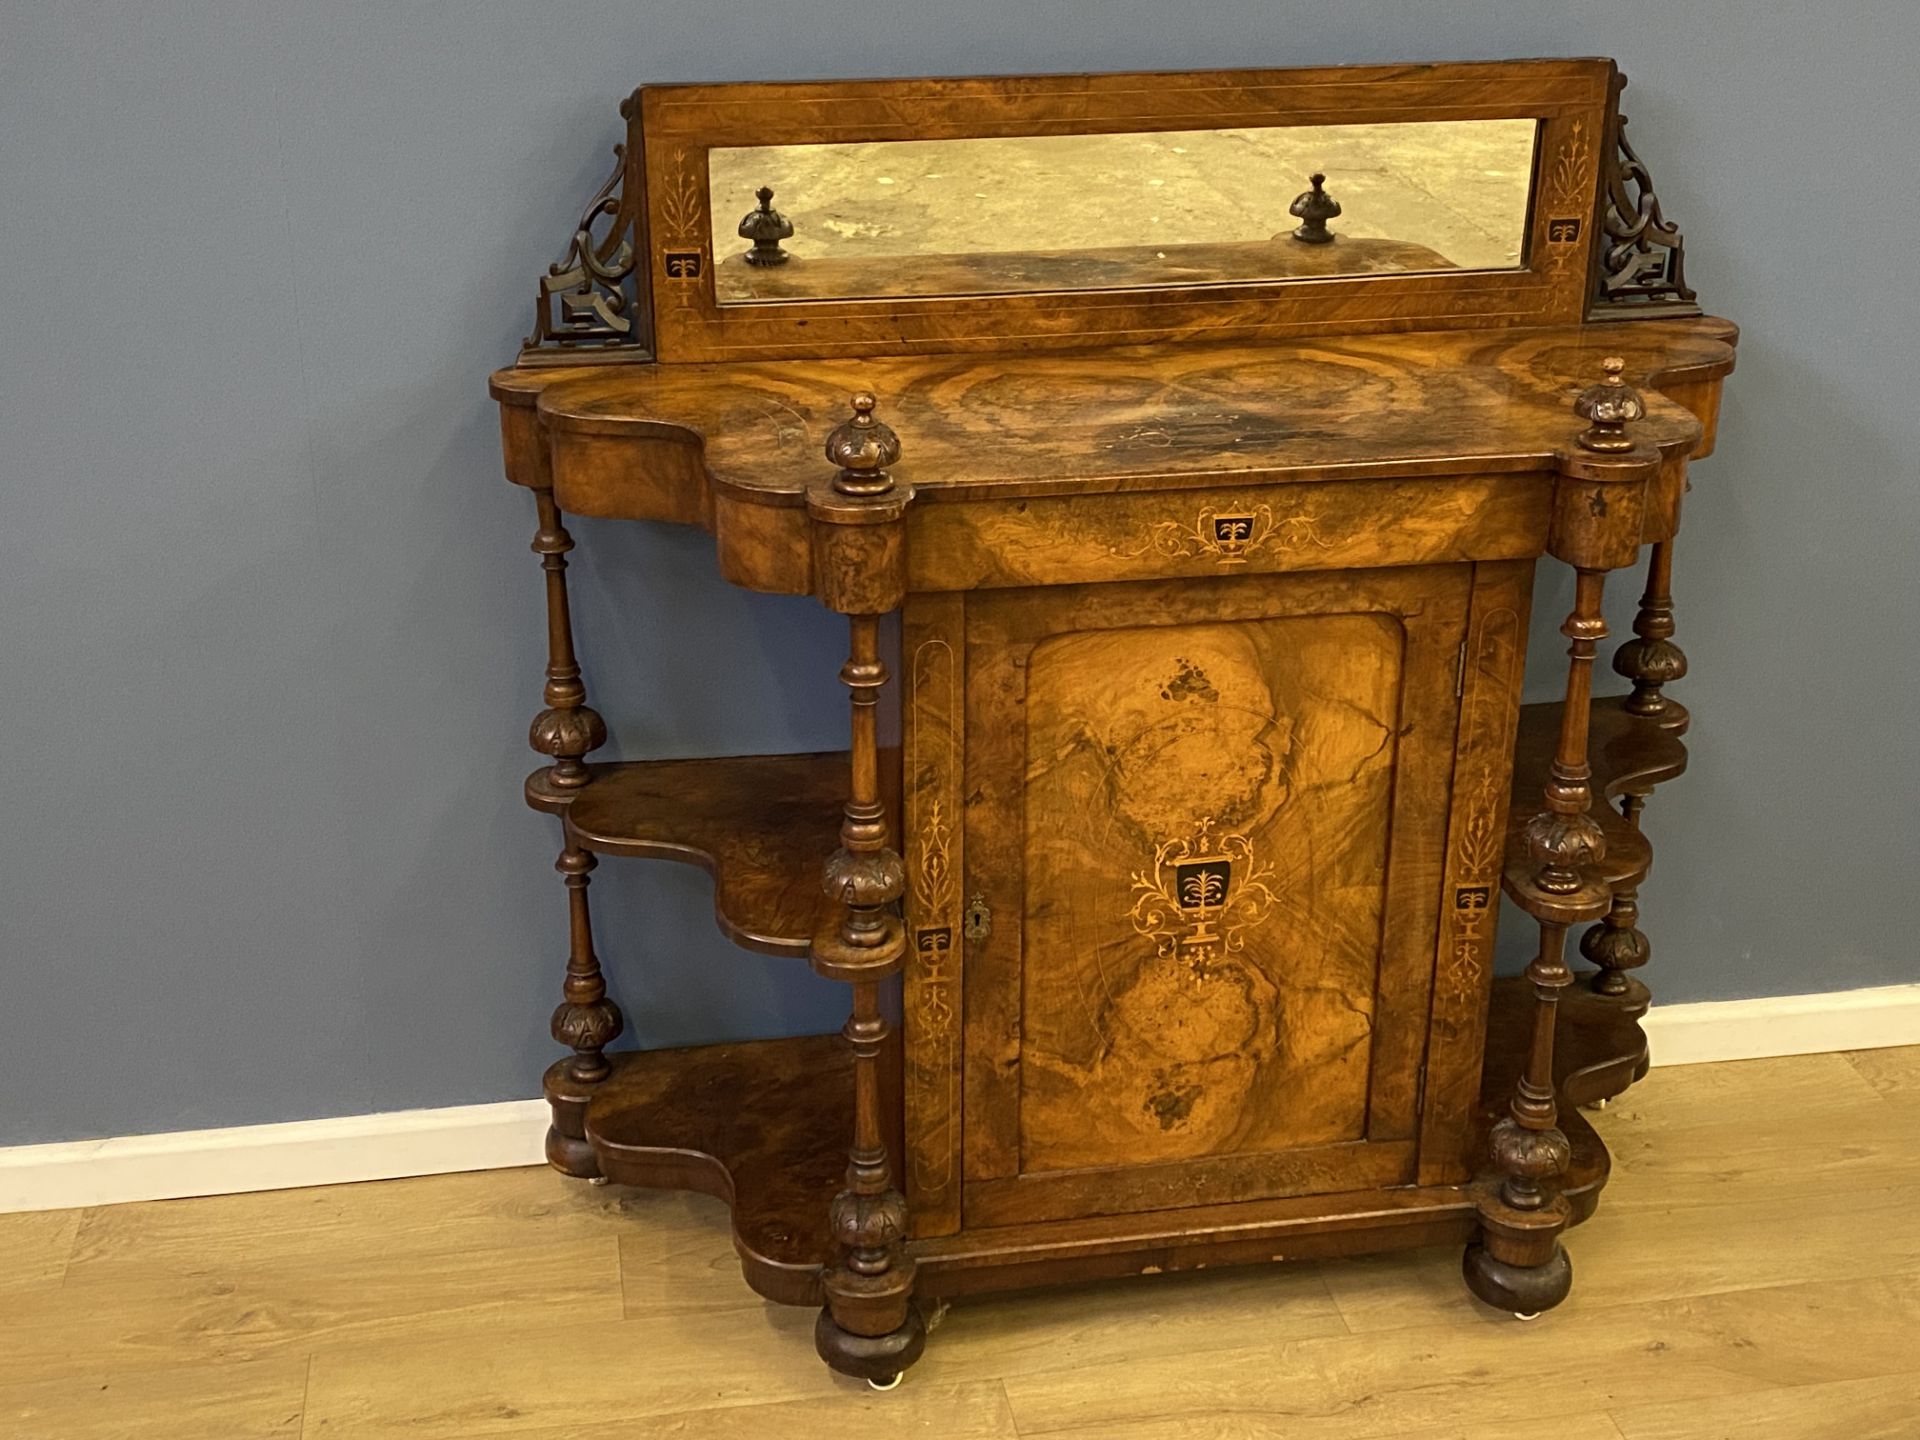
(933, 763)
(1201, 895)
(1230, 537)
(1479, 843)
(684, 245)
(1567, 199)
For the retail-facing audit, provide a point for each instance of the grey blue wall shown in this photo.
(270, 633)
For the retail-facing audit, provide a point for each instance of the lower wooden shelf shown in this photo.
(764, 1126)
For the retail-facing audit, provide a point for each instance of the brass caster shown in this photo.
(892, 1382)
(1527, 1314)
(1602, 1102)
(597, 1180)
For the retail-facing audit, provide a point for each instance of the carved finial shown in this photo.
(862, 448)
(1609, 407)
(1314, 208)
(766, 228)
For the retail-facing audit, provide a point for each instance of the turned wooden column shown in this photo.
(1518, 1264)
(568, 729)
(586, 1020)
(1617, 944)
(1651, 661)
(870, 1327)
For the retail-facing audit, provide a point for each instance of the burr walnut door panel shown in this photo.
(1205, 821)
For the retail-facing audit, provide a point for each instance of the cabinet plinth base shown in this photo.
(763, 1126)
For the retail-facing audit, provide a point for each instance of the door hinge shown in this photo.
(976, 921)
(1460, 671)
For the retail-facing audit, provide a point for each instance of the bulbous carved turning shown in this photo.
(861, 448)
(865, 882)
(567, 735)
(1650, 663)
(1559, 844)
(588, 1027)
(868, 1226)
(1532, 1156)
(1616, 945)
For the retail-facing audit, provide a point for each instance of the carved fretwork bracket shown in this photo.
(590, 309)
(1639, 263)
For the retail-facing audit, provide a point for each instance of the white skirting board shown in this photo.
(492, 1137)
(1712, 1030)
(273, 1157)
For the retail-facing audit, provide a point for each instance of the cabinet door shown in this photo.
(1206, 820)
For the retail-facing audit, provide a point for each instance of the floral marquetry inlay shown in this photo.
(683, 254)
(1567, 199)
(1201, 895)
(1230, 537)
(1479, 841)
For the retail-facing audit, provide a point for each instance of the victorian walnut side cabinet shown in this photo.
(1202, 431)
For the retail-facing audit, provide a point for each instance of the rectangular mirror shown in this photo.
(1040, 213)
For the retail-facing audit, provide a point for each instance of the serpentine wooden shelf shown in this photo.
(756, 823)
(1167, 911)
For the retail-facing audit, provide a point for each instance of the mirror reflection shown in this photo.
(1094, 212)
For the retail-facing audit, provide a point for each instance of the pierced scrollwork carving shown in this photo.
(1641, 255)
(587, 298)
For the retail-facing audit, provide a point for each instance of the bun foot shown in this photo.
(880, 1360)
(1523, 1291)
(571, 1155)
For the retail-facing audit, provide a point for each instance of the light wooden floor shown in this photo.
(1754, 1271)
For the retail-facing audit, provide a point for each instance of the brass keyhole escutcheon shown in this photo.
(976, 922)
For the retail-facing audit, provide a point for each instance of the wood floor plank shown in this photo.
(583, 1377)
(256, 1401)
(1653, 1253)
(1894, 1074)
(976, 1411)
(427, 1214)
(1007, 1335)
(1255, 1424)
(248, 1309)
(35, 1246)
(1720, 1291)
(1882, 1408)
(1802, 1126)
(1499, 1375)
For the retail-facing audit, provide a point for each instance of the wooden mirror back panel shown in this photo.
(1056, 211)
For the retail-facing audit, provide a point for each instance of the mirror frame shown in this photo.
(672, 128)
